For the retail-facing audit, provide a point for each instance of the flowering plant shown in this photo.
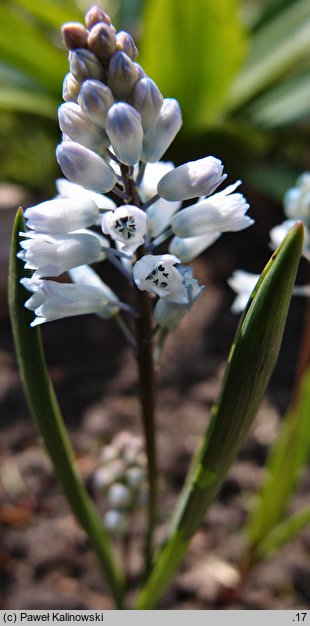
(116, 128)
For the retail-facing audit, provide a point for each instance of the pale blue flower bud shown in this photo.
(159, 137)
(51, 255)
(116, 522)
(122, 75)
(76, 125)
(108, 474)
(219, 213)
(84, 167)
(119, 496)
(125, 43)
(157, 274)
(84, 64)
(169, 314)
(127, 224)
(62, 216)
(243, 284)
(193, 179)
(102, 41)
(95, 100)
(123, 127)
(71, 88)
(135, 476)
(189, 248)
(148, 101)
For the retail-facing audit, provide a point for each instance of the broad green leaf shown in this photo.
(192, 50)
(275, 48)
(27, 48)
(52, 12)
(14, 99)
(283, 533)
(287, 457)
(250, 365)
(44, 407)
(285, 104)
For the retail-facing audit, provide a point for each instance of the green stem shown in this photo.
(44, 407)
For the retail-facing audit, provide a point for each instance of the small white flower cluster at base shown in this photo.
(296, 204)
(121, 477)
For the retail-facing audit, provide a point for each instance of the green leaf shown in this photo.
(23, 101)
(26, 47)
(192, 50)
(287, 457)
(285, 104)
(278, 46)
(250, 365)
(52, 12)
(283, 533)
(44, 407)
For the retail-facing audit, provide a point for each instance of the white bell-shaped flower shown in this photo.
(297, 200)
(127, 225)
(278, 233)
(225, 211)
(62, 215)
(157, 274)
(187, 249)
(51, 300)
(51, 255)
(158, 138)
(66, 189)
(159, 214)
(85, 167)
(243, 284)
(169, 314)
(192, 179)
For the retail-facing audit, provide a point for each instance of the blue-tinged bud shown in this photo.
(123, 127)
(191, 180)
(94, 15)
(122, 75)
(76, 125)
(102, 41)
(148, 101)
(74, 35)
(84, 64)
(158, 138)
(71, 88)
(95, 100)
(189, 248)
(84, 167)
(125, 43)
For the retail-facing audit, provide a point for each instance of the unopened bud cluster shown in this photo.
(121, 477)
(116, 127)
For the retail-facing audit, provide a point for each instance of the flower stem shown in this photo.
(145, 361)
(143, 330)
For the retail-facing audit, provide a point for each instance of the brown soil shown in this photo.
(45, 561)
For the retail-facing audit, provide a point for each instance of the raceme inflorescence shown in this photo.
(116, 126)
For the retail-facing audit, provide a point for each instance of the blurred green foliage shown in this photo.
(240, 70)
